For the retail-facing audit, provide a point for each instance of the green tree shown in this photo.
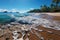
(56, 2)
(34, 11)
(45, 8)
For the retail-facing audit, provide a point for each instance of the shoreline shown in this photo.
(54, 14)
(51, 13)
(43, 29)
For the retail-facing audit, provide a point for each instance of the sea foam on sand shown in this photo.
(35, 18)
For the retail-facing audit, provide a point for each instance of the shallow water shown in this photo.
(4, 17)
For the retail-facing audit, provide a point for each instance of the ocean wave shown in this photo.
(27, 19)
(21, 17)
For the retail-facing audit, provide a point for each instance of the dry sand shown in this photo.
(54, 14)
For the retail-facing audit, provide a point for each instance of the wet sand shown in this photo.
(56, 16)
(46, 33)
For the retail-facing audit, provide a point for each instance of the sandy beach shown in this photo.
(54, 14)
(28, 32)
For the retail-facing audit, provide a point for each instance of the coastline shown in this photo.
(27, 32)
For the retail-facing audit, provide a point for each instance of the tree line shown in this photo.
(53, 7)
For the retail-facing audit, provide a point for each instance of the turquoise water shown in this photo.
(6, 17)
